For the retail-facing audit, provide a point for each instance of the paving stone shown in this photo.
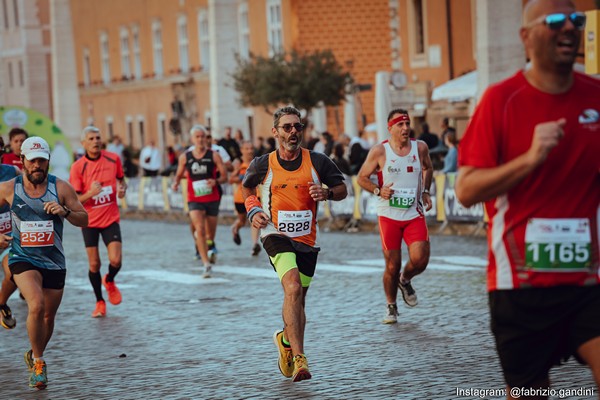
(185, 337)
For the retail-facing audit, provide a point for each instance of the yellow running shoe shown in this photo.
(301, 371)
(286, 366)
(6, 318)
(29, 359)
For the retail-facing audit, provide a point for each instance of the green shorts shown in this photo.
(285, 257)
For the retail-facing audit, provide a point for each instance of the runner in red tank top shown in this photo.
(201, 166)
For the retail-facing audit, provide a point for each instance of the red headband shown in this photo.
(402, 117)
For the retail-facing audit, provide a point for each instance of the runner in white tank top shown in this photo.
(404, 173)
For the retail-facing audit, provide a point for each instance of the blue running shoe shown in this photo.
(38, 378)
(212, 253)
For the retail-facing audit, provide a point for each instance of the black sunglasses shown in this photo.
(288, 127)
(558, 20)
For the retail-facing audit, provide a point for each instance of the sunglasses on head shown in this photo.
(287, 128)
(558, 20)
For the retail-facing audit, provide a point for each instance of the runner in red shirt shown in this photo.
(98, 180)
(530, 153)
(16, 136)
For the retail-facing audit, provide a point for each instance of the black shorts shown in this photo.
(306, 261)
(240, 208)
(51, 278)
(111, 233)
(211, 208)
(538, 328)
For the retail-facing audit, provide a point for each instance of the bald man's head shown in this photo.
(535, 8)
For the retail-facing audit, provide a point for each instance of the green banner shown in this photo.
(38, 124)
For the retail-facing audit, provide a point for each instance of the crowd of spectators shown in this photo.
(348, 153)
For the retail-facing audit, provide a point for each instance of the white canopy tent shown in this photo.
(465, 87)
(462, 88)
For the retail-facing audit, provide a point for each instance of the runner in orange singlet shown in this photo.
(291, 180)
(236, 178)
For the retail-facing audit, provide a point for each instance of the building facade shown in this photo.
(140, 70)
(25, 59)
(147, 70)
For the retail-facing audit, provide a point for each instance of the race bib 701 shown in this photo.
(104, 197)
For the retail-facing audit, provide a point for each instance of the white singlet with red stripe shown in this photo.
(404, 172)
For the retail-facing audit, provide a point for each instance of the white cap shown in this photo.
(35, 147)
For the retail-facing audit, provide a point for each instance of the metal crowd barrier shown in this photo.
(156, 194)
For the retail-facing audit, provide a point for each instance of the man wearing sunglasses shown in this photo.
(292, 181)
(530, 153)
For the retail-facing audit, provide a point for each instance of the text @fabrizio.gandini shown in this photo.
(517, 392)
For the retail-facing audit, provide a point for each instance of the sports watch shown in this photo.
(376, 191)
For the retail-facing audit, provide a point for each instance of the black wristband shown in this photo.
(68, 212)
(329, 194)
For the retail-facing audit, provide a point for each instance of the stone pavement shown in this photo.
(178, 336)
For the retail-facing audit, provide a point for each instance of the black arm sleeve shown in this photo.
(327, 170)
(256, 171)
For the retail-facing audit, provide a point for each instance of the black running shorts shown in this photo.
(111, 233)
(240, 208)
(51, 279)
(538, 328)
(211, 208)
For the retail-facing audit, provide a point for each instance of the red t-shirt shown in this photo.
(544, 231)
(12, 159)
(102, 209)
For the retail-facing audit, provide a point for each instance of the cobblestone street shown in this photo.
(178, 336)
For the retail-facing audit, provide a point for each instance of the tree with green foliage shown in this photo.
(301, 79)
